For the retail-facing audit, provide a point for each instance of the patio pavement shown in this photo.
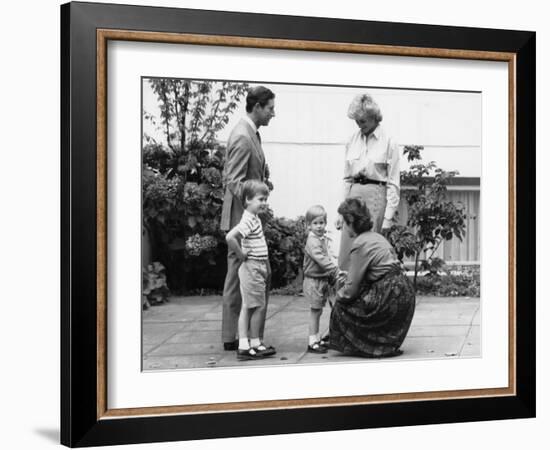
(185, 333)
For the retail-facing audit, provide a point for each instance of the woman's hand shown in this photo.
(339, 222)
(386, 225)
(341, 277)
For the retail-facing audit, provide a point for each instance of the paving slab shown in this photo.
(182, 309)
(180, 362)
(230, 360)
(444, 318)
(189, 348)
(158, 332)
(432, 347)
(477, 318)
(185, 333)
(200, 337)
(205, 325)
(472, 343)
(147, 348)
(438, 330)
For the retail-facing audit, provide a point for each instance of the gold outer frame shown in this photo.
(104, 35)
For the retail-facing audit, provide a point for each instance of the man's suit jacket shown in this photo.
(244, 160)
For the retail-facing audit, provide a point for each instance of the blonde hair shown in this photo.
(363, 105)
(314, 212)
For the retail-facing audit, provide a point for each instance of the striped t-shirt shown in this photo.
(252, 233)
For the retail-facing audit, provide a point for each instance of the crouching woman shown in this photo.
(374, 309)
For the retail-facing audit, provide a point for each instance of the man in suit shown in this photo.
(245, 160)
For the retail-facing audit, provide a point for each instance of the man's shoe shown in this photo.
(231, 346)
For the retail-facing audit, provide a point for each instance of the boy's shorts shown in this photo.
(316, 291)
(253, 282)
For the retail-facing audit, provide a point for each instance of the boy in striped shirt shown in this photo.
(248, 242)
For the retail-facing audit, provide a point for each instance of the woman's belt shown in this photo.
(362, 179)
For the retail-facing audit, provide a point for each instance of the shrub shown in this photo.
(432, 219)
(285, 240)
(464, 283)
(182, 219)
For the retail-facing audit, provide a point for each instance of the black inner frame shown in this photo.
(79, 424)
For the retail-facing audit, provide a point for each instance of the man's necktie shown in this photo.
(259, 138)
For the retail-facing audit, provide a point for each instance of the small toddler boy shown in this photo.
(320, 272)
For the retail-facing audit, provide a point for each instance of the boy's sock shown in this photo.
(243, 344)
(255, 342)
(313, 339)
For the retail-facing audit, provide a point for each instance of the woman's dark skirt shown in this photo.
(376, 323)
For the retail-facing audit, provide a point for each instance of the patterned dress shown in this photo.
(374, 309)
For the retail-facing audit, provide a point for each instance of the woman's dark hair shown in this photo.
(258, 94)
(355, 213)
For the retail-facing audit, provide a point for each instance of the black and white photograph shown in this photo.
(302, 224)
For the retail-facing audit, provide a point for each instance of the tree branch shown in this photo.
(166, 116)
(184, 113)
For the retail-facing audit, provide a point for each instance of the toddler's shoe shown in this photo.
(264, 350)
(316, 347)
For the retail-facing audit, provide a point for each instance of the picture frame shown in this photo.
(86, 418)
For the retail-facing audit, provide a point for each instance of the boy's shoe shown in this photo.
(316, 347)
(325, 341)
(264, 350)
(246, 355)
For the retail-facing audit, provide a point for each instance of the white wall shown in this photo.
(447, 124)
(30, 266)
(305, 142)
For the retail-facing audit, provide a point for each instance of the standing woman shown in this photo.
(374, 309)
(371, 170)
